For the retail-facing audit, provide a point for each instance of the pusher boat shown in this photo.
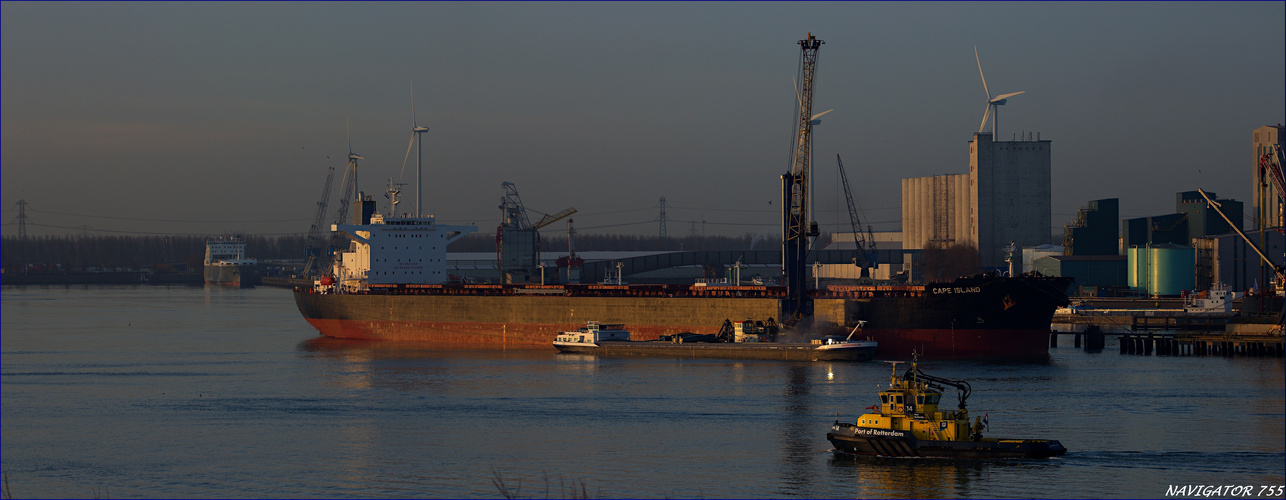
(910, 424)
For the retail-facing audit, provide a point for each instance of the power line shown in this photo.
(84, 228)
(169, 220)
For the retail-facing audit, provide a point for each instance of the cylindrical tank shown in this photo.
(1136, 265)
(1171, 269)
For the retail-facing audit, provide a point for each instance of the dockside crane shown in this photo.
(313, 251)
(517, 239)
(1277, 270)
(861, 244)
(797, 227)
(1270, 174)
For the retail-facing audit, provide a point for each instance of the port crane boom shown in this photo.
(313, 250)
(517, 239)
(1215, 205)
(797, 227)
(860, 242)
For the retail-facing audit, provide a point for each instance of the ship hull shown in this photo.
(240, 276)
(969, 318)
(854, 440)
(516, 321)
(1004, 318)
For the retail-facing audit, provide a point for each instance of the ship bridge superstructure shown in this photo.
(407, 250)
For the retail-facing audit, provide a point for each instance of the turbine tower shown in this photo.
(417, 140)
(991, 111)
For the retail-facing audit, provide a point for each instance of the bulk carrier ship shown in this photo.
(392, 284)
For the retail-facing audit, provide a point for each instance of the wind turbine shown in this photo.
(352, 157)
(991, 110)
(416, 133)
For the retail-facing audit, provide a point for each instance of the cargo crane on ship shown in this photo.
(517, 239)
(347, 193)
(797, 227)
(314, 254)
(865, 247)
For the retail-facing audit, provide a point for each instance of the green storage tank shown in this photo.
(1136, 276)
(1172, 269)
(1161, 270)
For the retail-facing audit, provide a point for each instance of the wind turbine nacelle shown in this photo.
(1000, 102)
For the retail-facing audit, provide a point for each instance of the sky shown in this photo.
(205, 118)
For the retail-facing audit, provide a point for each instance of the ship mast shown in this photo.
(797, 228)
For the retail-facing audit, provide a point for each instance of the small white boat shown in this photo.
(836, 344)
(1217, 300)
(588, 336)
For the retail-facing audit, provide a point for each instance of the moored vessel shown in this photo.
(908, 422)
(226, 263)
(739, 340)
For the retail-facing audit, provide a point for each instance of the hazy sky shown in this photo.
(195, 118)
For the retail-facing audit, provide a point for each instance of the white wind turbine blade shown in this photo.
(984, 77)
(819, 115)
(406, 156)
(1002, 97)
(987, 112)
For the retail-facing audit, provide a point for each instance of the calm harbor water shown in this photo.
(137, 391)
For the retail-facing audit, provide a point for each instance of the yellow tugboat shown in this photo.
(910, 424)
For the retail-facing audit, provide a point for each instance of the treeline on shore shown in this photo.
(86, 252)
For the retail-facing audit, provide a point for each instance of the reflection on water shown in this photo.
(191, 392)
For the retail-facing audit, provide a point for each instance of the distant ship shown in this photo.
(226, 263)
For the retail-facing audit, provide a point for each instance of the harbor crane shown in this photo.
(313, 251)
(517, 239)
(1277, 269)
(861, 244)
(1270, 174)
(797, 227)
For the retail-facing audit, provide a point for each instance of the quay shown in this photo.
(1202, 344)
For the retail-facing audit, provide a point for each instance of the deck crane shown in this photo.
(313, 251)
(797, 227)
(861, 244)
(347, 193)
(517, 239)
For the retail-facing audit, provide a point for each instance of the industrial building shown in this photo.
(1010, 182)
(1004, 198)
(935, 211)
(1264, 140)
(1193, 219)
(1094, 232)
(1093, 273)
(1091, 251)
(1227, 259)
